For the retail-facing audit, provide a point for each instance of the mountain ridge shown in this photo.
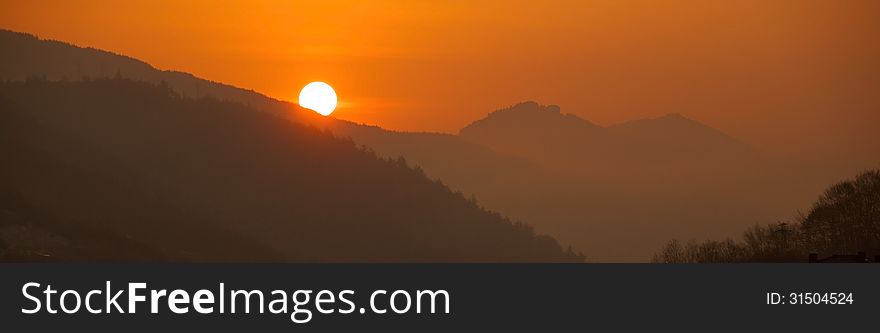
(533, 112)
(543, 132)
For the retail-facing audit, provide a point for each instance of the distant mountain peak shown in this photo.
(674, 127)
(528, 114)
(667, 120)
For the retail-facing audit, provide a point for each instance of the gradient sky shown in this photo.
(779, 74)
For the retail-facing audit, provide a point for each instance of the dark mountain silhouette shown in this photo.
(133, 171)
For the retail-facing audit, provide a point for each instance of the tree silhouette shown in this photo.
(844, 220)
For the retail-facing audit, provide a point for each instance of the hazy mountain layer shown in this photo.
(613, 190)
(543, 133)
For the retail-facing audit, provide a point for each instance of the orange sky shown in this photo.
(775, 73)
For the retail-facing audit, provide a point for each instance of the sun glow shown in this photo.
(318, 96)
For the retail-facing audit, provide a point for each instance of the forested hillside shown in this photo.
(111, 169)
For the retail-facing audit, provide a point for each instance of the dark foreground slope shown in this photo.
(119, 170)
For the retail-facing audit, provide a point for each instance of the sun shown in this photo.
(319, 97)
